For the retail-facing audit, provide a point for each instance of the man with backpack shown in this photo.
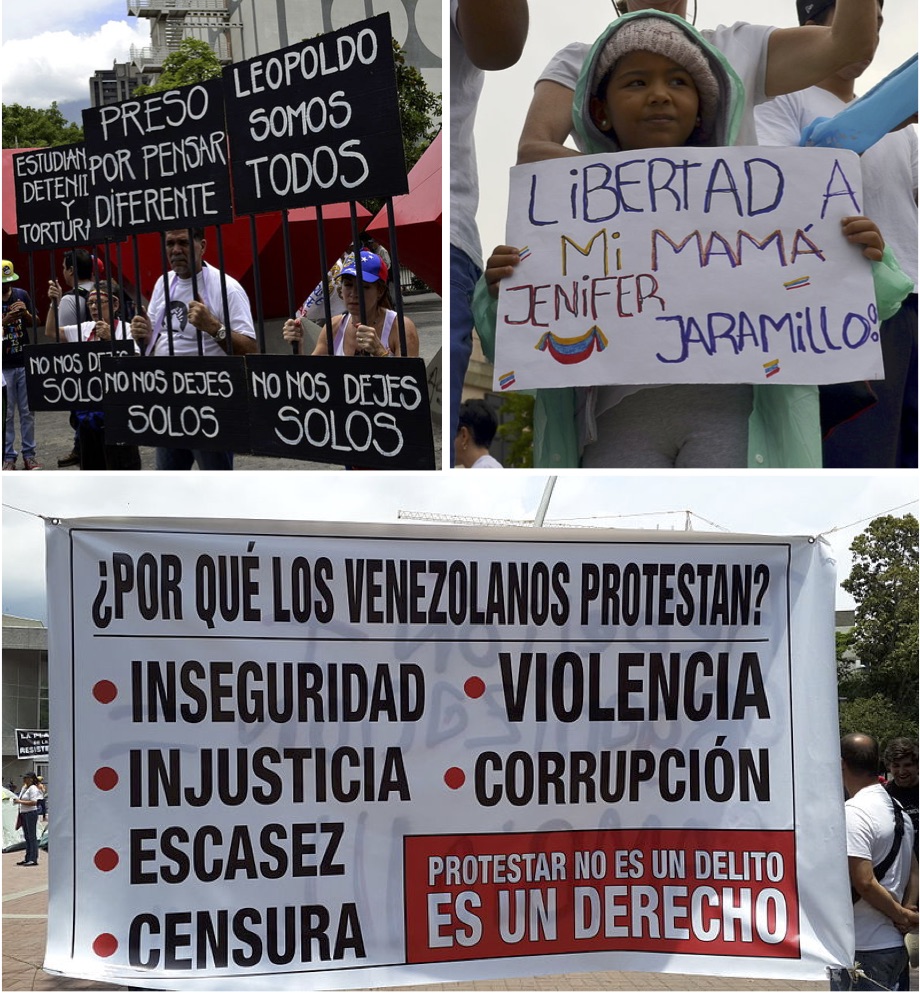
(883, 870)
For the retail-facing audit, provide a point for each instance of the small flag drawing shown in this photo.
(771, 368)
(797, 284)
(507, 380)
(524, 252)
(571, 350)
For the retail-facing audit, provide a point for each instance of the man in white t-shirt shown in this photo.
(484, 35)
(175, 331)
(769, 61)
(884, 434)
(882, 867)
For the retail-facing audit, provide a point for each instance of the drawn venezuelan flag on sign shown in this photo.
(571, 350)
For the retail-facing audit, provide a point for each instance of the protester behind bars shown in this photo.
(379, 335)
(79, 271)
(103, 325)
(188, 314)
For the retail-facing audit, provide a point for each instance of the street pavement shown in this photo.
(54, 435)
(25, 910)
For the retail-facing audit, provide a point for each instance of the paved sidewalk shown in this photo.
(25, 916)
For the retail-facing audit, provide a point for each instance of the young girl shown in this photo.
(651, 81)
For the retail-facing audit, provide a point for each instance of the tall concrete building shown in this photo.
(273, 24)
(242, 29)
(25, 691)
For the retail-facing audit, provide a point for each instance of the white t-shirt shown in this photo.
(744, 45)
(31, 794)
(889, 167)
(68, 312)
(84, 331)
(487, 462)
(465, 87)
(185, 335)
(870, 834)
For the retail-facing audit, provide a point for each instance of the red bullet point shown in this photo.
(105, 945)
(105, 778)
(105, 691)
(455, 778)
(106, 859)
(474, 687)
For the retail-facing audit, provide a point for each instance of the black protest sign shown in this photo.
(69, 375)
(187, 401)
(32, 744)
(52, 197)
(158, 162)
(318, 122)
(366, 412)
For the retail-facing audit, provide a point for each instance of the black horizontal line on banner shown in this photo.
(357, 641)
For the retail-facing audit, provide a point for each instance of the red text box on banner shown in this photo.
(663, 891)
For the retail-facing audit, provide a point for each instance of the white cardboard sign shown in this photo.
(687, 265)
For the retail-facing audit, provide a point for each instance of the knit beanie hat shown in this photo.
(665, 38)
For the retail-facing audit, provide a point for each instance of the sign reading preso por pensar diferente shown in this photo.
(331, 755)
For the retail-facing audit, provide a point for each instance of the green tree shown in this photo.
(875, 715)
(883, 582)
(419, 111)
(193, 61)
(516, 429)
(419, 108)
(33, 127)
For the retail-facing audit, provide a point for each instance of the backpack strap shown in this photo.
(882, 868)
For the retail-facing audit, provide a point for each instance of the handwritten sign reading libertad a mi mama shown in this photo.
(687, 265)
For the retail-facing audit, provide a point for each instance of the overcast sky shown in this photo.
(51, 49)
(506, 95)
(745, 502)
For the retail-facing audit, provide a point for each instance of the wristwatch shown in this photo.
(220, 334)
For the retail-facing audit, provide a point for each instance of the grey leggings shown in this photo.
(682, 427)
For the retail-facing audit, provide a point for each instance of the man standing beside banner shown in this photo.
(183, 308)
(883, 870)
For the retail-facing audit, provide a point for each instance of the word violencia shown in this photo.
(229, 588)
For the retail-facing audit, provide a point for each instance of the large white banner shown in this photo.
(687, 265)
(329, 756)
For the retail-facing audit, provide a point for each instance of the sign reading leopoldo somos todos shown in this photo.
(317, 122)
(687, 265)
(331, 755)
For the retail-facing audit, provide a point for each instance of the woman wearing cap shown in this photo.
(28, 799)
(651, 81)
(378, 337)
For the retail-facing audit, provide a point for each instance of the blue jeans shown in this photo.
(463, 277)
(16, 396)
(184, 458)
(30, 833)
(882, 967)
